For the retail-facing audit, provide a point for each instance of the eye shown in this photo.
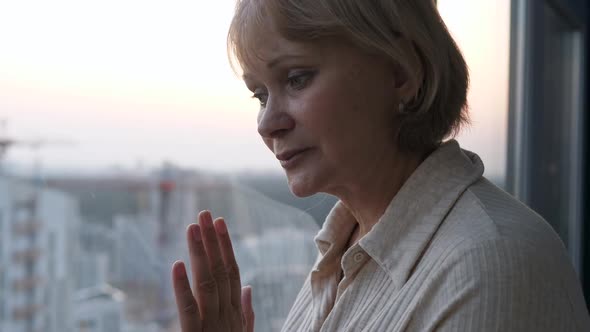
(299, 80)
(261, 96)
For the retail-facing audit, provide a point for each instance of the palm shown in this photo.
(217, 301)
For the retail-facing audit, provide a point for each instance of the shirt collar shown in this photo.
(412, 217)
(335, 233)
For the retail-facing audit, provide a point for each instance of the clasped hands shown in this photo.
(216, 302)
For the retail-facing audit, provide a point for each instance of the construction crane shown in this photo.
(7, 142)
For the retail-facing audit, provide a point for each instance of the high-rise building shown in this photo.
(38, 243)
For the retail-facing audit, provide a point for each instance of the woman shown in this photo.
(356, 100)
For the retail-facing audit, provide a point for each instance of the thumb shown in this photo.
(247, 309)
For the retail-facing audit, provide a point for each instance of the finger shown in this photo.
(215, 260)
(247, 309)
(231, 265)
(204, 286)
(188, 310)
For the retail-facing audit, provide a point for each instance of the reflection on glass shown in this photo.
(91, 217)
(553, 120)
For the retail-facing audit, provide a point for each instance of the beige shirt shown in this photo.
(452, 252)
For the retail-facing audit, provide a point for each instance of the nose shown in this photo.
(273, 121)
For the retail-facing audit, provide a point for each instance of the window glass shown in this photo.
(554, 122)
(2, 295)
(482, 31)
(129, 114)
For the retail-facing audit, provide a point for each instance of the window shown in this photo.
(556, 116)
(482, 31)
(130, 109)
(2, 240)
(2, 294)
(547, 115)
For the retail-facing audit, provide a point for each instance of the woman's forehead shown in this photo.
(275, 50)
(256, 37)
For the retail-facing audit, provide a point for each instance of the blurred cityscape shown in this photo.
(93, 253)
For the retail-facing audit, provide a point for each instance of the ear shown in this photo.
(408, 77)
(401, 80)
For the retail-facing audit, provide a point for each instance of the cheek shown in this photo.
(325, 111)
(332, 123)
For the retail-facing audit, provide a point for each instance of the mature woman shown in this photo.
(356, 100)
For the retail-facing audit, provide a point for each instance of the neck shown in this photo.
(369, 196)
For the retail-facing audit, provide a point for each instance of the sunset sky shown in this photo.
(140, 82)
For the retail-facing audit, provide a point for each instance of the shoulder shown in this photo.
(485, 213)
(500, 284)
(489, 230)
(493, 254)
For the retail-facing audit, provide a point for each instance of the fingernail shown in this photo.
(206, 220)
(180, 271)
(221, 226)
(196, 233)
(249, 294)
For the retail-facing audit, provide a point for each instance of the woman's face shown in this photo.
(326, 111)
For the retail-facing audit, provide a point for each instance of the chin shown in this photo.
(301, 185)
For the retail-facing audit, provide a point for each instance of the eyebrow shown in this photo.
(275, 62)
(281, 58)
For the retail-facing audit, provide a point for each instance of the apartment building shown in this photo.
(38, 244)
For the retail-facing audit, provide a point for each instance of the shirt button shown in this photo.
(358, 257)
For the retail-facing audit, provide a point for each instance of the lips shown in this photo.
(285, 156)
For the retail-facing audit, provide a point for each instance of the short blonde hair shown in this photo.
(384, 27)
